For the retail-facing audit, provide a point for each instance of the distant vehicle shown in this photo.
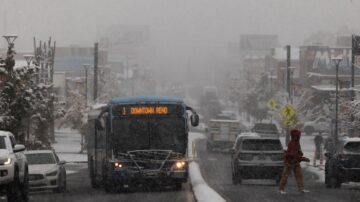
(227, 115)
(14, 178)
(46, 171)
(256, 156)
(136, 142)
(209, 103)
(319, 125)
(265, 128)
(343, 164)
(221, 134)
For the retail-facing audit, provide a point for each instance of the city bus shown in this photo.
(138, 142)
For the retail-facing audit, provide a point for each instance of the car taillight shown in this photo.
(246, 157)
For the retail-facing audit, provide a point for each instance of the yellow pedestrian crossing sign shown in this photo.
(271, 104)
(288, 122)
(288, 112)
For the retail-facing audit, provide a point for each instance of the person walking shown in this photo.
(292, 158)
(318, 154)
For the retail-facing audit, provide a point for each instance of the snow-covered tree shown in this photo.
(257, 97)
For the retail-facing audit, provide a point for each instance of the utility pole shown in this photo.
(337, 61)
(354, 45)
(288, 73)
(96, 54)
(86, 67)
(288, 88)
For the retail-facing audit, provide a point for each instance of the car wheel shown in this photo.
(61, 184)
(233, 177)
(25, 185)
(12, 192)
(334, 182)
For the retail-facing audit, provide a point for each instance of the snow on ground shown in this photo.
(202, 191)
(67, 145)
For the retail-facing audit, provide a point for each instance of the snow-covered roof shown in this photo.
(332, 88)
(314, 74)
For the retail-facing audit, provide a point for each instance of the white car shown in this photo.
(46, 171)
(14, 177)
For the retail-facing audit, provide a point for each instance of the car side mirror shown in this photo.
(194, 118)
(62, 162)
(19, 148)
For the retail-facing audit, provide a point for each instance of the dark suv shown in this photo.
(256, 156)
(343, 164)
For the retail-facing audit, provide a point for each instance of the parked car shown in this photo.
(343, 164)
(319, 125)
(14, 178)
(46, 171)
(256, 156)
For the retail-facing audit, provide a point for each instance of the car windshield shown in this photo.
(261, 145)
(265, 128)
(40, 158)
(2, 142)
(149, 133)
(352, 147)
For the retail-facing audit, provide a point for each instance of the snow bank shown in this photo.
(202, 191)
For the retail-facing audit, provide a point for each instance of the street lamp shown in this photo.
(86, 67)
(337, 61)
(10, 38)
(29, 59)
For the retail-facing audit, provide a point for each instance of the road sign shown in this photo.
(288, 112)
(288, 122)
(271, 104)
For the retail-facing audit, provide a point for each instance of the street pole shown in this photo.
(96, 70)
(86, 67)
(288, 64)
(337, 61)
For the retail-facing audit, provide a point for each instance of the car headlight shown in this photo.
(7, 162)
(53, 173)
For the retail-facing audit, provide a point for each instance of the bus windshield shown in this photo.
(143, 133)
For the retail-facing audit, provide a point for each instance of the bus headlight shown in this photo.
(118, 165)
(180, 164)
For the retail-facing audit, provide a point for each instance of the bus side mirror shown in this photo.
(194, 118)
(99, 125)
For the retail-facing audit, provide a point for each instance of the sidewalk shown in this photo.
(67, 145)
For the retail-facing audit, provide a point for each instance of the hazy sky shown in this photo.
(176, 22)
(183, 33)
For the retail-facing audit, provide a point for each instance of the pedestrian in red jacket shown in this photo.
(292, 158)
